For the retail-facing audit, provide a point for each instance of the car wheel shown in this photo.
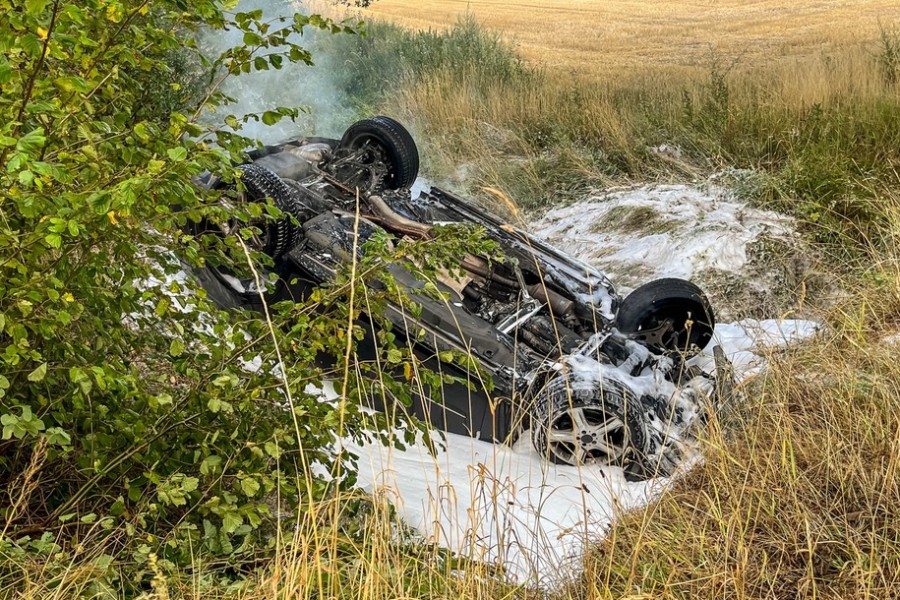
(277, 236)
(668, 315)
(223, 285)
(391, 142)
(588, 422)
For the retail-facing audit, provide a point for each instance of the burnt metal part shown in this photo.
(396, 221)
(527, 318)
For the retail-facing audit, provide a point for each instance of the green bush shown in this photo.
(130, 417)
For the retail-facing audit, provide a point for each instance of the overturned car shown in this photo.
(590, 376)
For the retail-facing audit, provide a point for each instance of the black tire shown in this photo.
(607, 402)
(261, 183)
(667, 314)
(278, 237)
(396, 143)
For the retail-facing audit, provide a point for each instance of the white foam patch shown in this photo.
(657, 231)
(502, 505)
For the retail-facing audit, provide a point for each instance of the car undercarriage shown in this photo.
(591, 376)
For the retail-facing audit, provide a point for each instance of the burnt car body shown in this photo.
(593, 377)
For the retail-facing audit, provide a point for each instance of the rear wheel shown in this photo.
(383, 141)
(667, 314)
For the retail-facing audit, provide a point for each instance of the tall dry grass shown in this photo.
(814, 135)
(799, 493)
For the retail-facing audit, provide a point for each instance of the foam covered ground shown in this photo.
(654, 231)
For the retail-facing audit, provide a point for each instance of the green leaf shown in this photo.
(100, 202)
(56, 436)
(222, 380)
(249, 486)
(25, 307)
(31, 44)
(54, 240)
(38, 374)
(142, 132)
(209, 464)
(6, 75)
(177, 154)
(252, 39)
(272, 449)
(176, 348)
(35, 7)
(231, 521)
(72, 84)
(84, 382)
(163, 306)
(32, 142)
(118, 507)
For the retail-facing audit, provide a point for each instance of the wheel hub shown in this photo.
(658, 336)
(584, 435)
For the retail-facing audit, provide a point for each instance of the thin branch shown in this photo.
(29, 87)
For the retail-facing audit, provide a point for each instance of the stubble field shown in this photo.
(618, 37)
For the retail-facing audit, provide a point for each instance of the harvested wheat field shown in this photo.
(586, 37)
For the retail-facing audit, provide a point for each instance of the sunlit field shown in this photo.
(618, 37)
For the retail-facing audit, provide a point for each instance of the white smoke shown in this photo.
(324, 109)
